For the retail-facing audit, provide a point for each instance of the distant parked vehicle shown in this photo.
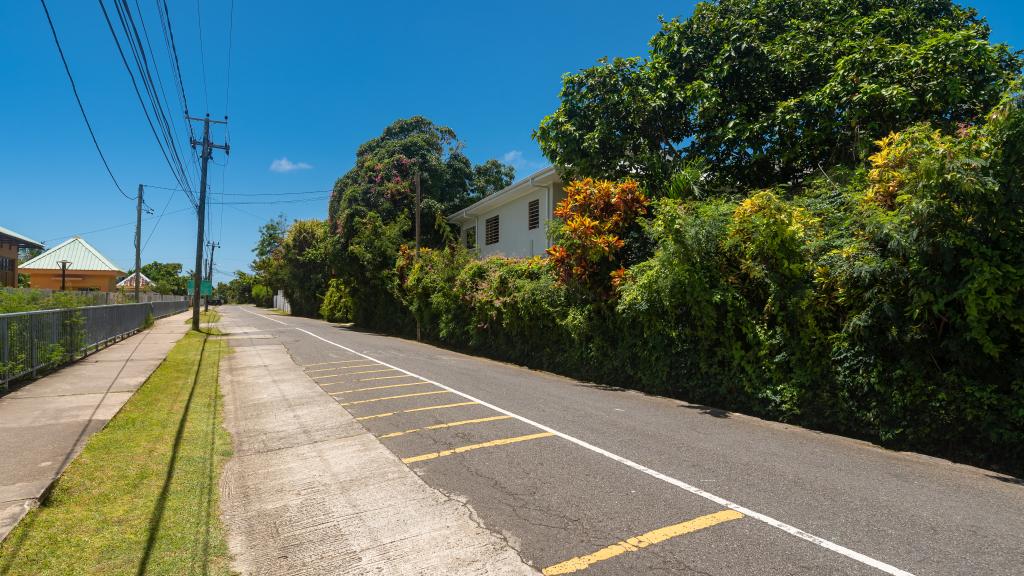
(216, 301)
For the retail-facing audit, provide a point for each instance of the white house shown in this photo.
(513, 221)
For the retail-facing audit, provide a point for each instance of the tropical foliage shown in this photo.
(772, 91)
(808, 210)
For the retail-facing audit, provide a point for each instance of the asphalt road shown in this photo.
(584, 479)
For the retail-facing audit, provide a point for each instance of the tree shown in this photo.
(266, 265)
(305, 262)
(382, 179)
(768, 92)
(490, 177)
(166, 277)
(371, 208)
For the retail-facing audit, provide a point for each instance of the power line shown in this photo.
(138, 54)
(78, 99)
(116, 226)
(202, 54)
(231, 35)
(254, 193)
(266, 202)
(159, 218)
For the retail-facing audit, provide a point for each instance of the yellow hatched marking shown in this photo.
(642, 541)
(393, 397)
(460, 449)
(331, 363)
(386, 377)
(378, 388)
(447, 425)
(366, 372)
(438, 407)
(341, 368)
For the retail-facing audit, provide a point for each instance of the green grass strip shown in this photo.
(142, 497)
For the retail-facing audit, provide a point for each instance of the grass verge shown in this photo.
(206, 317)
(142, 497)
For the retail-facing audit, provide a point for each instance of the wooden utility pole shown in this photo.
(418, 198)
(205, 155)
(416, 254)
(138, 243)
(209, 269)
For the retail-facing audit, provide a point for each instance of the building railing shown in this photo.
(42, 339)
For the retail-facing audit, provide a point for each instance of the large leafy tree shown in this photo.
(766, 92)
(382, 179)
(371, 208)
(167, 277)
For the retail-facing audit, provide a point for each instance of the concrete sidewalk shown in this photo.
(310, 492)
(45, 424)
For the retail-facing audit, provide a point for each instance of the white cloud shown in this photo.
(285, 165)
(522, 165)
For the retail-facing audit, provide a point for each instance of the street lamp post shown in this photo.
(63, 272)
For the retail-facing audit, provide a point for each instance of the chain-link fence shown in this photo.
(41, 339)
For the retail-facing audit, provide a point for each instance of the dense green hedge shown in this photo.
(884, 303)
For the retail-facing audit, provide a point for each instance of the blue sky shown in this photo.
(309, 82)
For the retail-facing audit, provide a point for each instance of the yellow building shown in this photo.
(10, 243)
(87, 269)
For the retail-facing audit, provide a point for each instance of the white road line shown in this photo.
(827, 544)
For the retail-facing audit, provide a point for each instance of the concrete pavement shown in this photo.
(309, 491)
(584, 478)
(45, 424)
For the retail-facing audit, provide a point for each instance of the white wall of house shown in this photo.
(512, 207)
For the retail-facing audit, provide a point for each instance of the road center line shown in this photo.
(489, 444)
(642, 541)
(827, 544)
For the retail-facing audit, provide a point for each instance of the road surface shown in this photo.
(584, 479)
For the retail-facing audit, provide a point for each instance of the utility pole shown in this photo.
(209, 270)
(138, 243)
(416, 255)
(418, 198)
(205, 155)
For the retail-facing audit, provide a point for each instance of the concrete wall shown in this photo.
(516, 240)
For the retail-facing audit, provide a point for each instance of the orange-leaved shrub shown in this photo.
(587, 238)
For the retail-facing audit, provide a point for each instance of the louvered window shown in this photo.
(471, 237)
(491, 231)
(534, 211)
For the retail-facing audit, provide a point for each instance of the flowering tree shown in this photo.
(593, 217)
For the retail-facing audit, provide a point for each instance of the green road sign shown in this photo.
(205, 288)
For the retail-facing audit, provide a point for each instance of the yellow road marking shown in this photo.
(341, 368)
(366, 372)
(447, 425)
(439, 406)
(641, 541)
(387, 377)
(330, 363)
(460, 449)
(378, 388)
(393, 397)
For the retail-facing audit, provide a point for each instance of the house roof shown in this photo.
(18, 239)
(79, 252)
(128, 280)
(506, 194)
